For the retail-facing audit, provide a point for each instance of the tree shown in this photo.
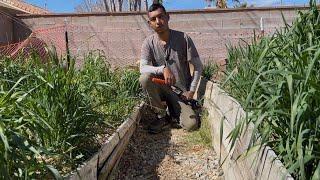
(106, 5)
(110, 5)
(220, 3)
(209, 3)
(134, 5)
(146, 4)
(241, 5)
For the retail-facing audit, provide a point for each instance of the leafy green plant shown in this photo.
(209, 69)
(276, 80)
(116, 92)
(49, 112)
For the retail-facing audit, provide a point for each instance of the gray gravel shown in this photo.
(167, 156)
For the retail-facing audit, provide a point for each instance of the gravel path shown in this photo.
(167, 156)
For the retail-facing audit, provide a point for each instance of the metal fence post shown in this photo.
(67, 42)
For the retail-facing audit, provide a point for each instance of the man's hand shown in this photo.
(187, 95)
(168, 76)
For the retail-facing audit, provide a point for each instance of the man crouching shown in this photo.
(166, 54)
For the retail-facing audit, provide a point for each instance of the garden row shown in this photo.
(276, 79)
(54, 116)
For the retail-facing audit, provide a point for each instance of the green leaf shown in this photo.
(4, 138)
(289, 81)
(316, 174)
(54, 172)
(311, 64)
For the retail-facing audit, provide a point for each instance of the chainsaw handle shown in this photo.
(158, 81)
(193, 103)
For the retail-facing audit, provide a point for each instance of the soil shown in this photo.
(167, 156)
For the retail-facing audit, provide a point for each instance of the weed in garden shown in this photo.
(209, 69)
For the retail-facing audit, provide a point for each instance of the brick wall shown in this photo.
(120, 35)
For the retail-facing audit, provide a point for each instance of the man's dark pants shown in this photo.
(156, 94)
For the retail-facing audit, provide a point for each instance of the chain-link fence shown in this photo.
(120, 37)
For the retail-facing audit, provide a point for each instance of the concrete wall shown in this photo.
(6, 30)
(120, 35)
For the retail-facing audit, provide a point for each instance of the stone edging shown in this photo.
(101, 165)
(224, 113)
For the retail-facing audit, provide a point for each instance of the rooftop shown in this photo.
(23, 7)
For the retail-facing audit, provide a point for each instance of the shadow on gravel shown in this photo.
(144, 152)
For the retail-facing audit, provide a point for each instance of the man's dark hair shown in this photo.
(156, 6)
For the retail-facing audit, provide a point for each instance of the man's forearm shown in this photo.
(146, 68)
(197, 73)
(151, 69)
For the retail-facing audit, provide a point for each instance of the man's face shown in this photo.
(158, 20)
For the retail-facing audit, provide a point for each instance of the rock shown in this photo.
(197, 175)
(219, 178)
(221, 173)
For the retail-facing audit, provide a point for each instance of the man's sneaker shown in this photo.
(157, 125)
(175, 123)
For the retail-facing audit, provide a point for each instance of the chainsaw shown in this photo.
(192, 102)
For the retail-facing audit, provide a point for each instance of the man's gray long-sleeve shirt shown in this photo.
(176, 54)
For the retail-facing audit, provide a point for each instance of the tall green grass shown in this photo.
(49, 114)
(277, 81)
(209, 69)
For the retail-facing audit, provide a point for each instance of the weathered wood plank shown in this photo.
(136, 115)
(124, 127)
(111, 151)
(225, 112)
(107, 149)
(116, 154)
(88, 171)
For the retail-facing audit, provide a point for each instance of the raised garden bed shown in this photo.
(55, 117)
(224, 113)
(101, 165)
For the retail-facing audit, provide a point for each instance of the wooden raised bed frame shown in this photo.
(224, 113)
(101, 165)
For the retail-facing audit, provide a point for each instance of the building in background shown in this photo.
(8, 11)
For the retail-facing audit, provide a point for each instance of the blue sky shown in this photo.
(61, 6)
